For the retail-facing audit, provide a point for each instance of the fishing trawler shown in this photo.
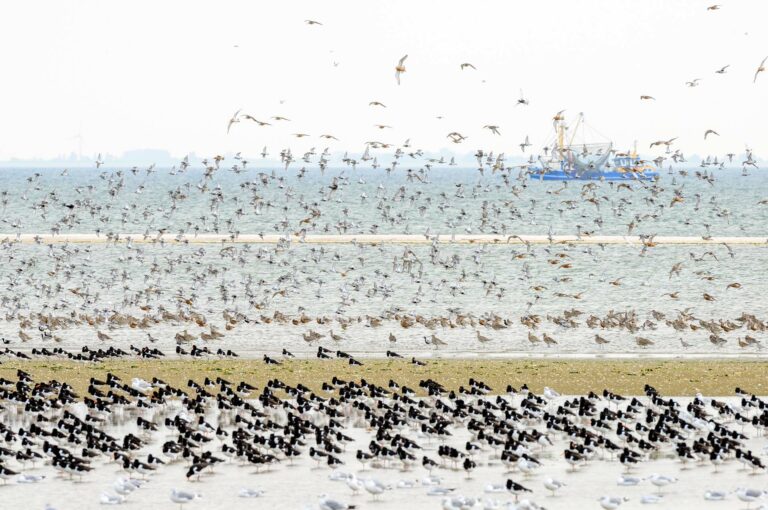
(567, 159)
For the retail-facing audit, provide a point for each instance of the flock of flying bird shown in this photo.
(158, 286)
(457, 137)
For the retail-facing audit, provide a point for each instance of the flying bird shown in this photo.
(312, 22)
(233, 120)
(377, 103)
(693, 83)
(663, 142)
(648, 97)
(257, 121)
(760, 69)
(493, 129)
(400, 68)
(525, 144)
(715, 7)
(710, 132)
(676, 270)
(467, 64)
(522, 100)
(722, 69)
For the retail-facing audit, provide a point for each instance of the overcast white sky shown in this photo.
(167, 75)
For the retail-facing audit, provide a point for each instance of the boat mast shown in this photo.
(576, 128)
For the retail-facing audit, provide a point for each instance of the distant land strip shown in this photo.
(170, 238)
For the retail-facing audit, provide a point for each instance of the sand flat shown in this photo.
(715, 377)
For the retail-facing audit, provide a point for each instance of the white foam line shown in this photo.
(378, 239)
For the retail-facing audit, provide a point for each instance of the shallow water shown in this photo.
(299, 486)
(106, 274)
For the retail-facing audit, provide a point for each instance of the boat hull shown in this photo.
(559, 175)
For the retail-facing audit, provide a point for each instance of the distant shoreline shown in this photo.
(443, 238)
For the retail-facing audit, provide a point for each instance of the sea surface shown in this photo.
(375, 201)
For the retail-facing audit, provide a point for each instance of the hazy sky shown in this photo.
(169, 74)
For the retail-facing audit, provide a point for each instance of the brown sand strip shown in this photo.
(670, 377)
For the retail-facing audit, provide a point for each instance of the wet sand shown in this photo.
(714, 377)
(31, 238)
